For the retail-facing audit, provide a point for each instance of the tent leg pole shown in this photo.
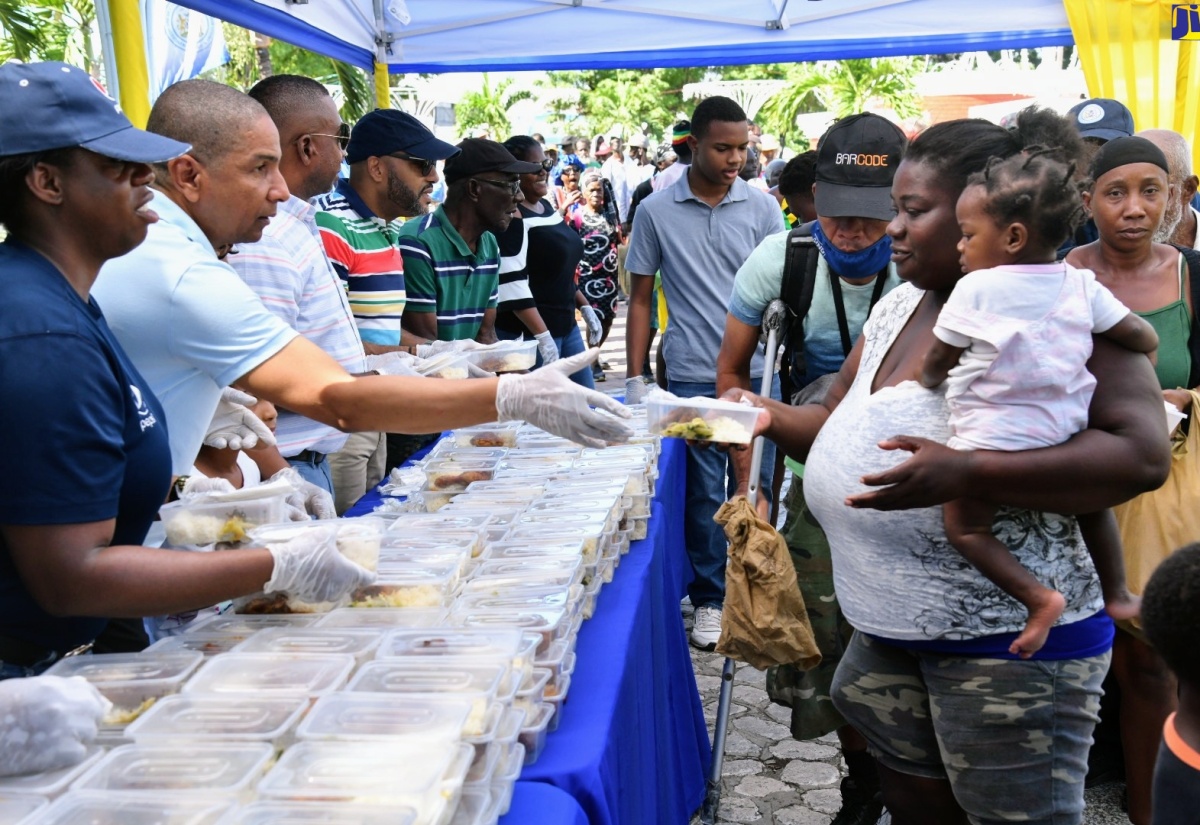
(712, 792)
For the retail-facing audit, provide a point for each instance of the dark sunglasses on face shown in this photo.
(342, 137)
(547, 164)
(425, 166)
(513, 186)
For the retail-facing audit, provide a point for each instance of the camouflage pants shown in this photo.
(1011, 736)
(807, 692)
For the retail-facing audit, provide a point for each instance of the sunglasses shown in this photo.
(342, 137)
(425, 166)
(547, 164)
(513, 186)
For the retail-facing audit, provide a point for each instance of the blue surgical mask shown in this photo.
(861, 264)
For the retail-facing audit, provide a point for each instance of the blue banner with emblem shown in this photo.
(180, 44)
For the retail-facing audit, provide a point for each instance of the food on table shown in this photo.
(119, 717)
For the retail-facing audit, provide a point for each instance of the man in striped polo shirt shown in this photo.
(451, 258)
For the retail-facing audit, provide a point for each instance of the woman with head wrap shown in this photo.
(1128, 197)
(595, 219)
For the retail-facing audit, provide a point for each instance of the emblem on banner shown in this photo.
(1185, 21)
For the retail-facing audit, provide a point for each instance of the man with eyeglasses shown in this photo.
(451, 257)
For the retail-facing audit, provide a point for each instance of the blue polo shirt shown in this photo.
(83, 437)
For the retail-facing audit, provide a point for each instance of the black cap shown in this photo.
(385, 131)
(482, 155)
(1102, 118)
(856, 162)
(56, 106)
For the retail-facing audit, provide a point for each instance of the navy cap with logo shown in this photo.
(385, 131)
(483, 155)
(1102, 118)
(56, 106)
(856, 161)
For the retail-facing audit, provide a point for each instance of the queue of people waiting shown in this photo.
(976, 435)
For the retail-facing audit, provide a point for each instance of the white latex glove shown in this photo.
(394, 363)
(547, 398)
(234, 427)
(547, 348)
(594, 328)
(635, 391)
(307, 500)
(478, 372)
(46, 722)
(202, 485)
(438, 347)
(310, 568)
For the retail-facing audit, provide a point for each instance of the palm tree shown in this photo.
(22, 31)
(844, 87)
(489, 107)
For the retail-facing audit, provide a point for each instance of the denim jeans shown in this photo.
(315, 472)
(710, 483)
(570, 344)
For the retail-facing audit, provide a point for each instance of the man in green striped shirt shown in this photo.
(451, 257)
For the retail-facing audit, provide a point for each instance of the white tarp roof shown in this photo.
(515, 35)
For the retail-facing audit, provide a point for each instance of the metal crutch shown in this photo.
(774, 321)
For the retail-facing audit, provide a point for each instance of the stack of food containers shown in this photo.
(416, 700)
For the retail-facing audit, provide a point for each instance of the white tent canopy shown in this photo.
(515, 35)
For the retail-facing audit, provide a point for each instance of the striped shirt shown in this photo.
(288, 271)
(445, 277)
(361, 247)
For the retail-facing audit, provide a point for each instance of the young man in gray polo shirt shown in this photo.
(697, 233)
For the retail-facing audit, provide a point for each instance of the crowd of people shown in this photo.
(973, 428)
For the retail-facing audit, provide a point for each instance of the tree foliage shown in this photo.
(488, 108)
(49, 30)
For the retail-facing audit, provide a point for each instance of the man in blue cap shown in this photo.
(1098, 120)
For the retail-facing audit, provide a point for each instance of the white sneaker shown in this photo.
(707, 627)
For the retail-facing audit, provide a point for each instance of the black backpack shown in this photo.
(1192, 256)
(801, 258)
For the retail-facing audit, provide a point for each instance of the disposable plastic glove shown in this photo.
(310, 568)
(234, 427)
(547, 348)
(202, 485)
(547, 398)
(307, 500)
(478, 372)
(594, 327)
(635, 391)
(439, 347)
(394, 363)
(46, 722)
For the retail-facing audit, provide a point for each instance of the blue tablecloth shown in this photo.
(632, 748)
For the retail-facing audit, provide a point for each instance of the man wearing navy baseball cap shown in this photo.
(1098, 120)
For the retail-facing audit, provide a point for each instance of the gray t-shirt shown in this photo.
(698, 249)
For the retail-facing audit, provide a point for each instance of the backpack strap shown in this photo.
(801, 257)
(1192, 257)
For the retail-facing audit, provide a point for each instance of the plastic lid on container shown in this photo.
(415, 773)
(569, 567)
(384, 617)
(206, 644)
(310, 641)
(271, 673)
(341, 716)
(14, 809)
(244, 625)
(320, 813)
(200, 768)
(47, 783)
(123, 669)
(92, 808)
(214, 716)
(457, 642)
(424, 678)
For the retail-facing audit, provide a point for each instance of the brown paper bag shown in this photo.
(1156, 524)
(764, 621)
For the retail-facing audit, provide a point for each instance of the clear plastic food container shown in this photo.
(477, 806)
(462, 644)
(488, 435)
(529, 698)
(534, 549)
(47, 784)
(92, 808)
(310, 641)
(435, 500)
(243, 626)
(212, 717)
(384, 618)
(447, 451)
(639, 528)
(206, 522)
(206, 644)
(452, 366)
(421, 774)
(549, 624)
(357, 538)
(271, 674)
(505, 356)
(533, 735)
(430, 526)
(701, 419)
(505, 488)
(131, 681)
(419, 678)
(355, 716)
(401, 584)
(524, 577)
(207, 769)
(506, 778)
(445, 476)
(457, 557)
(569, 568)
(546, 465)
(557, 699)
(319, 813)
(15, 809)
(590, 536)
